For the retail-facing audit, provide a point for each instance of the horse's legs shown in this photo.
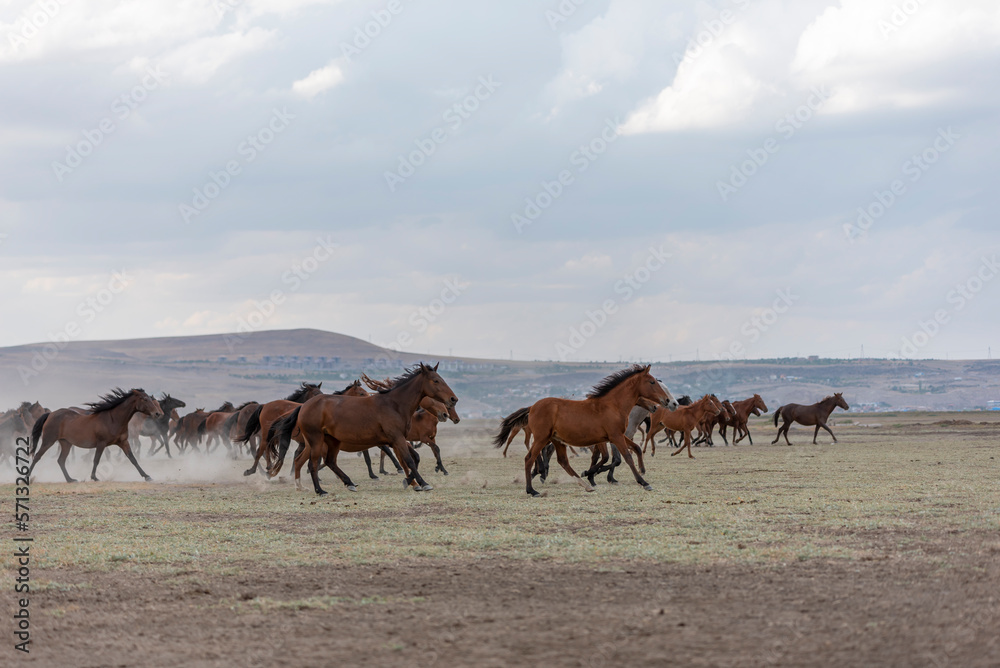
(510, 439)
(392, 458)
(600, 451)
(127, 449)
(529, 462)
(332, 450)
(261, 449)
(563, 460)
(685, 443)
(823, 424)
(786, 426)
(624, 445)
(815, 433)
(404, 451)
(437, 455)
(368, 463)
(97, 460)
(64, 449)
(722, 432)
(38, 455)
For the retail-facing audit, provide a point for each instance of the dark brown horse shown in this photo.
(156, 429)
(331, 423)
(104, 424)
(260, 421)
(237, 424)
(188, 430)
(814, 414)
(754, 405)
(600, 418)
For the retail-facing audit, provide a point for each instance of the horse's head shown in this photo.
(147, 404)
(651, 393)
(354, 390)
(839, 401)
(671, 402)
(435, 407)
(759, 405)
(433, 385)
(453, 415)
(715, 406)
(169, 403)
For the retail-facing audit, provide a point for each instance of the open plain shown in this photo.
(882, 549)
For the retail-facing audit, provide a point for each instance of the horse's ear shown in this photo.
(648, 367)
(320, 386)
(437, 365)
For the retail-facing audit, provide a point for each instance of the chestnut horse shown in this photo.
(683, 419)
(106, 423)
(600, 418)
(331, 423)
(260, 421)
(423, 429)
(814, 414)
(744, 408)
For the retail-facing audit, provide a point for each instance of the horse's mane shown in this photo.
(25, 406)
(112, 399)
(244, 405)
(614, 380)
(407, 375)
(224, 408)
(299, 395)
(355, 383)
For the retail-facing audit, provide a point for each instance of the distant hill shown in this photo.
(207, 370)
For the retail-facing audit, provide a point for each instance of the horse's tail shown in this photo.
(517, 419)
(776, 414)
(36, 431)
(253, 426)
(201, 429)
(227, 426)
(279, 437)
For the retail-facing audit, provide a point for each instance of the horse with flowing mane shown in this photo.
(104, 424)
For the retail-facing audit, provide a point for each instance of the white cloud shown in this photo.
(319, 81)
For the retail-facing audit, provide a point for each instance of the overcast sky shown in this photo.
(446, 176)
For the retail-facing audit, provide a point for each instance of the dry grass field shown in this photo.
(883, 549)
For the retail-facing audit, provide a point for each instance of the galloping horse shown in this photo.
(815, 414)
(234, 427)
(331, 423)
(156, 429)
(684, 419)
(189, 428)
(260, 420)
(600, 418)
(744, 408)
(106, 423)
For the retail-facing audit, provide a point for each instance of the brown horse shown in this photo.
(156, 429)
(518, 423)
(814, 414)
(331, 423)
(106, 423)
(260, 421)
(187, 431)
(600, 418)
(213, 431)
(754, 405)
(234, 427)
(423, 429)
(683, 419)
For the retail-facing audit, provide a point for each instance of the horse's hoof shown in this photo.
(612, 482)
(352, 488)
(648, 487)
(373, 477)
(321, 493)
(426, 488)
(534, 493)
(148, 479)
(400, 472)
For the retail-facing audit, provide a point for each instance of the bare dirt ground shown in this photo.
(883, 550)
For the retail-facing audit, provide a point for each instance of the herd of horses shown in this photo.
(397, 416)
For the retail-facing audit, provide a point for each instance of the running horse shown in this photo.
(814, 414)
(264, 416)
(684, 420)
(104, 424)
(158, 429)
(328, 424)
(754, 405)
(600, 418)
